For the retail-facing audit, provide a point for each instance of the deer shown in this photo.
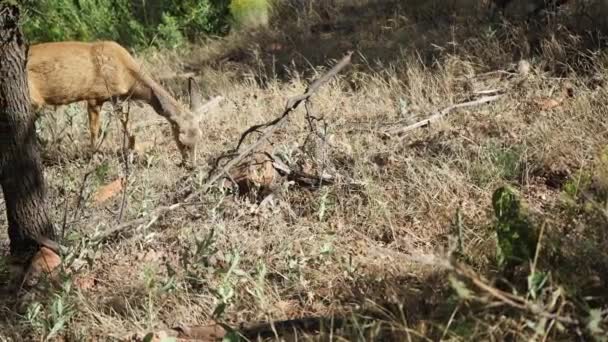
(61, 73)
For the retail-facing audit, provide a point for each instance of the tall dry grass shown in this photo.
(347, 251)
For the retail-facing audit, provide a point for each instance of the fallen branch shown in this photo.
(148, 220)
(510, 299)
(291, 104)
(488, 92)
(253, 331)
(440, 114)
(300, 177)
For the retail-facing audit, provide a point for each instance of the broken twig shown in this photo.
(291, 104)
(440, 114)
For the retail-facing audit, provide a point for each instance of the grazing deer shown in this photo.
(66, 72)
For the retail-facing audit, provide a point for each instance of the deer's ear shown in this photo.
(196, 101)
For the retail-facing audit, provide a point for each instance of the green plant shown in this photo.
(516, 235)
(497, 162)
(507, 161)
(197, 262)
(596, 325)
(250, 13)
(578, 183)
(169, 34)
(137, 23)
(51, 319)
(53, 20)
(225, 293)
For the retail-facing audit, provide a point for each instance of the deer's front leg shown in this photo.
(94, 110)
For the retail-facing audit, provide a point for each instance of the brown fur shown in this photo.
(65, 72)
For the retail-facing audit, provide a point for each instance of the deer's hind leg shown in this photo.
(94, 110)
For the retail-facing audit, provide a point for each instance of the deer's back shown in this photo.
(66, 72)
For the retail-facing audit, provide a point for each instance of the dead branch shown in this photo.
(253, 331)
(81, 192)
(508, 298)
(292, 103)
(127, 144)
(302, 178)
(488, 92)
(440, 114)
(150, 218)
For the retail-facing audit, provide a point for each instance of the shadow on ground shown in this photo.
(388, 32)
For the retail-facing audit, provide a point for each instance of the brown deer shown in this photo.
(65, 72)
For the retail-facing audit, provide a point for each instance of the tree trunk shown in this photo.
(21, 174)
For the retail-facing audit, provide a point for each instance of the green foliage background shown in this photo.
(135, 23)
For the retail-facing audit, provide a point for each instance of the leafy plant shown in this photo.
(516, 235)
(137, 23)
(249, 13)
(225, 293)
(574, 186)
(51, 319)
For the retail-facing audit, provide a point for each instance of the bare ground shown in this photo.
(371, 249)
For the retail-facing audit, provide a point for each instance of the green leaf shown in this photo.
(536, 282)
(219, 310)
(231, 336)
(461, 289)
(515, 233)
(148, 338)
(594, 322)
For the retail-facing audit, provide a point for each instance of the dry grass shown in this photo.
(339, 251)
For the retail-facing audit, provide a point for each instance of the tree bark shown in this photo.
(21, 172)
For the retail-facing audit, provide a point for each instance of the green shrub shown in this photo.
(53, 20)
(516, 234)
(169, 34)
(136, 23)
(249, 13)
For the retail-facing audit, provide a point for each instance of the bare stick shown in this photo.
(151, 218)
(487, 92)
(510, 299)
(291, 104)
(81, 192)
(126, 137)
(440, 114)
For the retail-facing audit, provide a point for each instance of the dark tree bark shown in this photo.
(21, 173)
